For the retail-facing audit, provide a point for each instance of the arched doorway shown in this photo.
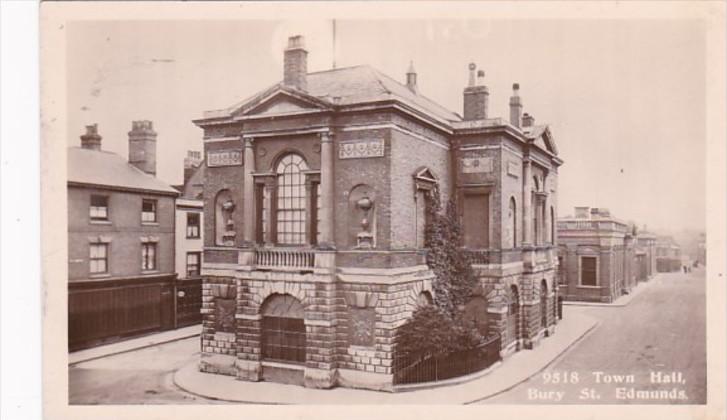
(544, 304)
(283, 329)
(513, 313)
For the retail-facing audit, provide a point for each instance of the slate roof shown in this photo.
(355, 85)
(98, 167)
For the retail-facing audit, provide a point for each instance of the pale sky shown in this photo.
(625, 99)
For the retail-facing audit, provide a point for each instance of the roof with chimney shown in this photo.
(348, 86)
(106, 169)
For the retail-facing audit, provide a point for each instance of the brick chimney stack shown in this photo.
(191, 162)
(528, 120)
(411, 78)
(143, 146)
(475, 96)
(91, 140)
(583, 213)
(516, 107)
(295, 63)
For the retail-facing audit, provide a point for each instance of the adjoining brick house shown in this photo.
(189, 219)
(315, 190)
(668, 255)
(597, 256)
(120, 241)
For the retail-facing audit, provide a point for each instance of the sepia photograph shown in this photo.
(289, 204)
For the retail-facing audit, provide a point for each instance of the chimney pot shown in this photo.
(295, 63)
(528, 120)
(516, 107)
(411, 78)
(91, 140)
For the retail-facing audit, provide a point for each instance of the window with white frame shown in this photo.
(148, 256)
(99, 208)
(193, 225)
(193, 264)
(148, 211)
(98, 258)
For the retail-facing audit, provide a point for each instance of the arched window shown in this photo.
(291, 200)
(552, 225)
(475, 314)
(224, 225)
(283, 329)
(544, 304)
(512, 222)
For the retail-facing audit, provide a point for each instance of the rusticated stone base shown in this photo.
(319, 378)
(248, 370)
(218, 363)
(365, 380)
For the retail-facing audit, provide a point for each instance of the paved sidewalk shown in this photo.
(511, 372)
(622, 300)
(133, 344)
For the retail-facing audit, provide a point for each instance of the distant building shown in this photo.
(120, 241)
(189, 240)
(315, 194)
(668, 255)
(596, 255)
(702, 250)
(645, 255)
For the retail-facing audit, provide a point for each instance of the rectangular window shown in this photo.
(588, 271)
(561, 271)
(148, 211)
(99, 209)
(192, 225)
(148, 256)
(193, 264)
(98, 258)
(476, 215)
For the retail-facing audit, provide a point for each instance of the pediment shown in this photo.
(282, 104)
(425, 174)
(543, 139)
(281, 101)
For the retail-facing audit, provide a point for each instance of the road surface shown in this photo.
(649, 352)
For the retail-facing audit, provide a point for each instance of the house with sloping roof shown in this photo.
(121, 274)
(316, 192)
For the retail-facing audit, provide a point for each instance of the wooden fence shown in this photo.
(105, 311)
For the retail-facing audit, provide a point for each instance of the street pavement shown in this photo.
(662, 330)
(140, 376)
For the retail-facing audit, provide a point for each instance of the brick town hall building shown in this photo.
(315, 192)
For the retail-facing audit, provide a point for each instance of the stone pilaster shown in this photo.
(325, 239)
(248, 202)
(527, 204)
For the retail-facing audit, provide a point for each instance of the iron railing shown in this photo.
(411, 369)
